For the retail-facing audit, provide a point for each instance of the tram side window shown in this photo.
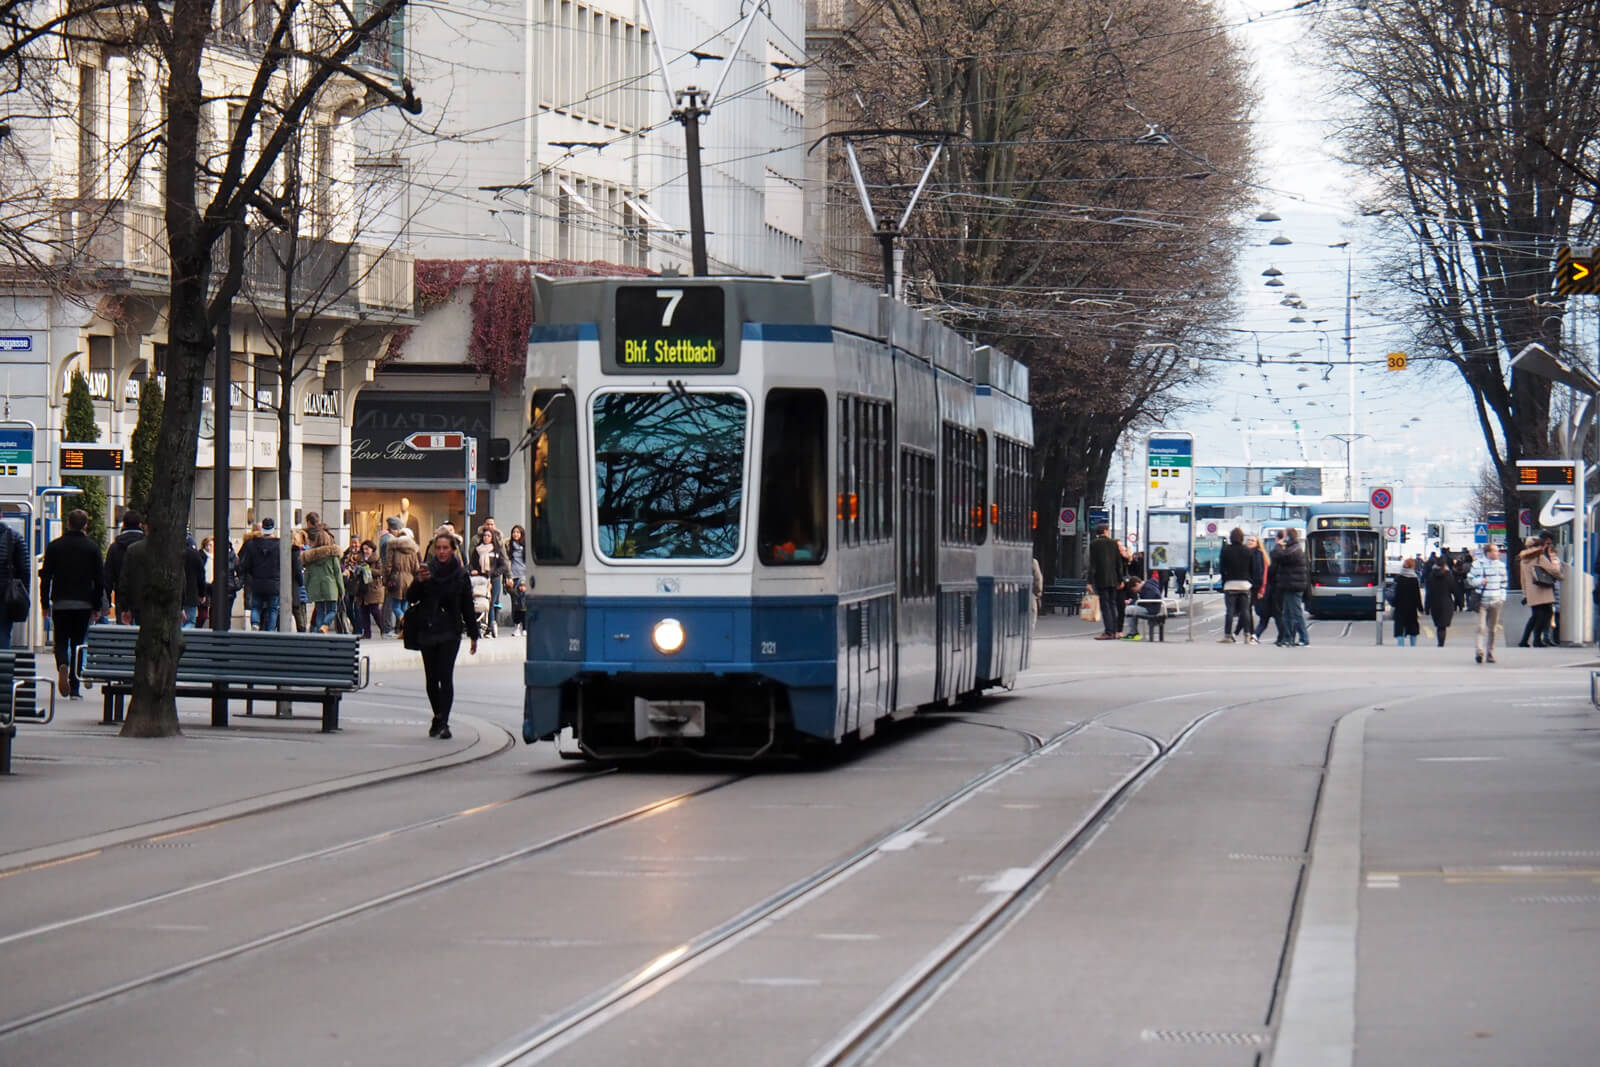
(556, 525)
(794, 478)
(961, 504)
(917, 530)
(1013, 474)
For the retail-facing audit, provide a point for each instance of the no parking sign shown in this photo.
(1381, 503)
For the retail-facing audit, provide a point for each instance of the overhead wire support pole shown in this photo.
(884, 228)
(688, 108)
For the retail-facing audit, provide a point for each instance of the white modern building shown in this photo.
(549, 133)
(548, 138)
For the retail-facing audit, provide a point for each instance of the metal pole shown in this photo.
(689, 114)
(886, 235)
(1350, 364)
(222, 471)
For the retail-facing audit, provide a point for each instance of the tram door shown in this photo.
(916, 533)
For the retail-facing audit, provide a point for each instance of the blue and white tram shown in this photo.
(765, 512)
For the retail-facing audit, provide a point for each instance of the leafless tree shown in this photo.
(1477, 121)
(1080, 218)
(218, 178)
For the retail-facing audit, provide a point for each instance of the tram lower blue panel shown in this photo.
(790, 641)
(987, 668)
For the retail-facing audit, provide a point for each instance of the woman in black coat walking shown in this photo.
(1407, 604)
(1441, 586)
(438, 612)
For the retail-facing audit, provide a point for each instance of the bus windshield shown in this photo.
(669, 474)
(1337, 554)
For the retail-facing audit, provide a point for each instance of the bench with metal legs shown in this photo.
(226, 665)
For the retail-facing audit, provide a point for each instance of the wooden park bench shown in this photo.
(247, 665)
(19, 699)
(1066, 594)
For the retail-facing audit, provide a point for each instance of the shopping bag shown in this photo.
(1091, 608)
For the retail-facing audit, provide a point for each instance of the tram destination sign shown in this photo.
(663, 327)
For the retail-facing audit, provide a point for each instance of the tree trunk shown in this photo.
(153, 710)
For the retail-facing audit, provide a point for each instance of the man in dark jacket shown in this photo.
(132, 530)
(131, 577)
(194, 581)
(1106, 567)
(13, 564)
(71, 594)
(258, 568)
(1293, 574)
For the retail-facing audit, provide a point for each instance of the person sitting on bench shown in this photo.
(1139, 609)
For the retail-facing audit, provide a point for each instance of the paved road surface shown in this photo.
(1178, 853)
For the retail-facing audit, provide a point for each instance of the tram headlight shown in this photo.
(667, 636)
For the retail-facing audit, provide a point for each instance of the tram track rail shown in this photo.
(899, 1005)
(571, 1025)
(324, 852)
(415, 889)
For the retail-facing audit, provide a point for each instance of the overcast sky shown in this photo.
(1285, 412)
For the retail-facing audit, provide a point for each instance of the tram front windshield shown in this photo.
(1337, 554)
(669, 474)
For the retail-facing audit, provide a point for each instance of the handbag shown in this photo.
(411, 628)
(1543, 577)
(17, 602)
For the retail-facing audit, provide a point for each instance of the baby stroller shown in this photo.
(482, 590)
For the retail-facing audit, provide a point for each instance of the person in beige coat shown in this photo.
(403, 560)
(1539, 557)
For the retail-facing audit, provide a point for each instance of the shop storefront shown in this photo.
(425, 489)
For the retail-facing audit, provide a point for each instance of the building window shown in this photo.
(90, 132)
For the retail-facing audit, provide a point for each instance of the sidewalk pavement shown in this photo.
(77, 786)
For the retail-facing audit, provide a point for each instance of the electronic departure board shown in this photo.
(664, 327)
(92, 459)
(1546, 474)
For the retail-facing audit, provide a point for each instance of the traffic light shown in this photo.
(1402, 533)
(497, 469)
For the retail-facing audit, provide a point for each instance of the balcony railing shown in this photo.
(100, 235)
(128, 242)
(310, 275)
(386, 279)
